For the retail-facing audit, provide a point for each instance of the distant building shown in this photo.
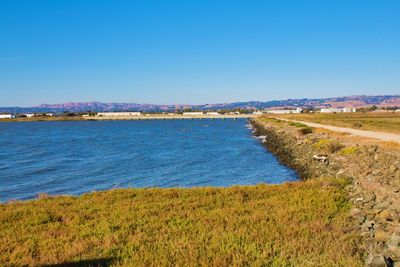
(29, 115)
(118, 114)
(349, 110)
(193, 113)
(337, 110)
(6, 116)
(213, 113)
(283, 111)
(258, 112)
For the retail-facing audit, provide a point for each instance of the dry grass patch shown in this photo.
(294, 224)
(381, 122)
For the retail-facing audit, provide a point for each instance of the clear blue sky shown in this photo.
(203, 51)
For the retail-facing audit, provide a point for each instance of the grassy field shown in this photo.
(385, 122)
(294, 224)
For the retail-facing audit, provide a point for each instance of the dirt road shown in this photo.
(369, 134)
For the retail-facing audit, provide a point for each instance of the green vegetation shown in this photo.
(294, 224)
(379, 121)
(306, 130)
(328, 145)
(297, 124)
(349, 150)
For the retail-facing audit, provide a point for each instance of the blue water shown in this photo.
(74, 157)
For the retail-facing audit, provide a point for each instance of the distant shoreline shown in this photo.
(142, 117)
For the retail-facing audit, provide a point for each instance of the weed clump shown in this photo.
(297, 124)
(329, 146)
(349, 150)
(306, 130)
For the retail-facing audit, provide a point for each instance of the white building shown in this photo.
(258, 112)
(349, 110)
(213, 113)
(284, 111)
(6, 116)
(337, 110)
(331, 110)
(29, 115)
(193, 113)
(118, 114)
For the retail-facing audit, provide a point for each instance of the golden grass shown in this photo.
(373, 121)
(294, 224)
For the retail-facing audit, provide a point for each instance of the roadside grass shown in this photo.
(293, 224)
(304, 129)
(297, 124)
(383, 122)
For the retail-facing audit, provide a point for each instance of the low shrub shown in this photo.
(349, 150)
(306, 130)
(297, 124)
(329, 146)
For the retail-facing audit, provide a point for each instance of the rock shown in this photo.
(359, 199)
(369, 198)
(354, 212)
(360, 219)
(386, 215)
(396, 206)
(341, 174)
(383, 205)
(396, 253)
(381, 261)
(369, 205)
(392, 168)
(394, 242)
(381, 236)
(367, 225)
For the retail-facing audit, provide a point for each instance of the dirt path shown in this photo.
(369, 134)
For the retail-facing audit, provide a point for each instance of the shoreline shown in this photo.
(144, 117)
(372, 171)
(366, 173)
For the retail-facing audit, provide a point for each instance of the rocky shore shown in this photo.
(373, 172)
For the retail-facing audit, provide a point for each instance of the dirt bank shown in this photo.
(374, 174)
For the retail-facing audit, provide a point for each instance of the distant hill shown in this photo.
(347, 101)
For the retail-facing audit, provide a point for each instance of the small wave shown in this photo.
(42, 170)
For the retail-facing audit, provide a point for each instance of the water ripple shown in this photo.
(78, 157)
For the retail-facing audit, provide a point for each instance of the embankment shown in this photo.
(374, 174)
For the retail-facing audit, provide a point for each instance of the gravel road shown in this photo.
(369, 134)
